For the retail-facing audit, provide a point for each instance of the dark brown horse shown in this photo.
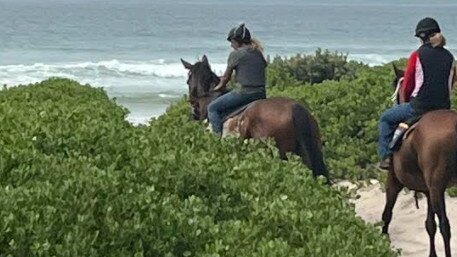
(291, 125)
(426, 162)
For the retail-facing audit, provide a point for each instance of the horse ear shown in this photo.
(205, 60)
(186, 64)
(398, 73)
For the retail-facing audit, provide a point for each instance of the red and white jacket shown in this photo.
(428, 79)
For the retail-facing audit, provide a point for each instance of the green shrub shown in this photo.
(348, 113)
(312, 69)
(78, 180)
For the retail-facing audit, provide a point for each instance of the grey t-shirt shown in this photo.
(249, 65)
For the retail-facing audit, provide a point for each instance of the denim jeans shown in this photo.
(389, 121)
(225, 104)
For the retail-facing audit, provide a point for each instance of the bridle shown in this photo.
(394, 97)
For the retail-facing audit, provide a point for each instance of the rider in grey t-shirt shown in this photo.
(249, 64)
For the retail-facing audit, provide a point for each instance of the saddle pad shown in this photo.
(238, 111)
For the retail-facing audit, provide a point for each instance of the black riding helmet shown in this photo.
(239, 33)
(426, 27)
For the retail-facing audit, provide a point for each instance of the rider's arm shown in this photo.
(232, 62)
(409, 81)
(225, 78)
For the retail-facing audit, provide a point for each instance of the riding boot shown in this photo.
(385, 164)
(402, 127)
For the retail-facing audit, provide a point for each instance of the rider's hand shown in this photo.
(218, 87)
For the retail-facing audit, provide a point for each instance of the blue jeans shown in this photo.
(225, 104)
(389, 121)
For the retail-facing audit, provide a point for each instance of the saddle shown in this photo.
(237, 111)
(396, 142)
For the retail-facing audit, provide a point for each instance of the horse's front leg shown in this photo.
(393, 187)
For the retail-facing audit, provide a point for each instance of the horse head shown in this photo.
(201, 81)
(397, 83)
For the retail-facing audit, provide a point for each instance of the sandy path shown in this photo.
(407, 229)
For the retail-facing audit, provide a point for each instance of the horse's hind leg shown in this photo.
(439, 207)
(430, 225)
(393, 187)
(282, 153)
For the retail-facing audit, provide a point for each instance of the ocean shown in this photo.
(133, 48)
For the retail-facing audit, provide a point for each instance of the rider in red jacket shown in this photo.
(426, 86)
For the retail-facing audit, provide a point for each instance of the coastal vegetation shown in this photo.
(77, 179)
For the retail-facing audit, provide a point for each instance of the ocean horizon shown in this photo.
(133, 49)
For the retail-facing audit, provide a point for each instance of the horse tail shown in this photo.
(309, 144)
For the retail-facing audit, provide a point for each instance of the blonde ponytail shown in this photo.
(257, 45)
(437, 40)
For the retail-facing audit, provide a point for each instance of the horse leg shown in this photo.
(439, 207)
(430, 225)
(393, 187)
(282, 155)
